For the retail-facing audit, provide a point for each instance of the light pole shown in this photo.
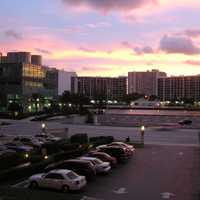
(43, 128)
(142, 129)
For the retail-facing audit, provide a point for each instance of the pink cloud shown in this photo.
(192, 62)
(175, 44)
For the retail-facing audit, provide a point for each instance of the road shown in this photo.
(153, 135)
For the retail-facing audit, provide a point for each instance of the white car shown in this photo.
(60, 179)
(100, 166)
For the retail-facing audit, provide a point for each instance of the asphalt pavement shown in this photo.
(156, 172)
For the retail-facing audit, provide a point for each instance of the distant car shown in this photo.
(60, 179)
(118, 152)
(47, 137)
(100, 166)
(29, 141)
(18, 147)
(104, 157)
(81, 167)
(185, 122)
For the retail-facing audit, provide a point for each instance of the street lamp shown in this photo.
(142, 129)
(43, 127)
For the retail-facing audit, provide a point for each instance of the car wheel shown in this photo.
(33, 184)
(65, 188)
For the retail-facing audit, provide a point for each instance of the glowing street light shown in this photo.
(142, 129)
(43, 127)
(26, 155)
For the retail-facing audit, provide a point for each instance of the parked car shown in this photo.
(60, 179)
(130, 148)
(18, 147)
(118, 152)
(47, 137)
(104, 157)
(29, 141)
(82, 167)
(100, 166)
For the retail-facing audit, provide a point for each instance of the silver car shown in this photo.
(60, 179)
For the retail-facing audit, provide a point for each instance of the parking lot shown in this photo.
(155, 172)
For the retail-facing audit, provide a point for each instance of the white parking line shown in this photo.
(23, 184)
(121, 191)
(167, 195)
(89, 198)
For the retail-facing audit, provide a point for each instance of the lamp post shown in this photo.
(43, 128)
(142, 129)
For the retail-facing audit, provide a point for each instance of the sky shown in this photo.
(105, 37)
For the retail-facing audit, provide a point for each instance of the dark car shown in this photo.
(118, 152)
(104, 157)
(81, 167)
(185, 122)
(19, 147)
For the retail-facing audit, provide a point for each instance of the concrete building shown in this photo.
(64, 81)
(101, 87)
(19, 57)
(179, 87)
(36, 59)
(3, 59)
(144, 82)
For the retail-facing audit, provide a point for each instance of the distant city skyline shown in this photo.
(111, 38)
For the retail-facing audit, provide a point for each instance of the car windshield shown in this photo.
(72, 175)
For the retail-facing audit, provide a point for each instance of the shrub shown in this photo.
(81, 138)
(101, 140)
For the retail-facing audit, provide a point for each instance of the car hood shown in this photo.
(36, 176)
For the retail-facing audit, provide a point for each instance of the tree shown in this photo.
(132, 97)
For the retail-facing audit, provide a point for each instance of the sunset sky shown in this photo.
(105, 37)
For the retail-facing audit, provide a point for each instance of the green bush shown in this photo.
(81, 138)
(100, 140)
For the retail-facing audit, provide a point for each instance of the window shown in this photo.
(72, 175)
(54, 176)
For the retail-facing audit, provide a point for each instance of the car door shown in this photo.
(59, 181)
(49, 181)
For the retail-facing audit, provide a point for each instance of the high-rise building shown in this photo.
(36, 59)
(101, 87)
(179, 87)
(3, 59)
(144, 82)
(64, 81)
(59, 79)
(20, 81)
(19, 57)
